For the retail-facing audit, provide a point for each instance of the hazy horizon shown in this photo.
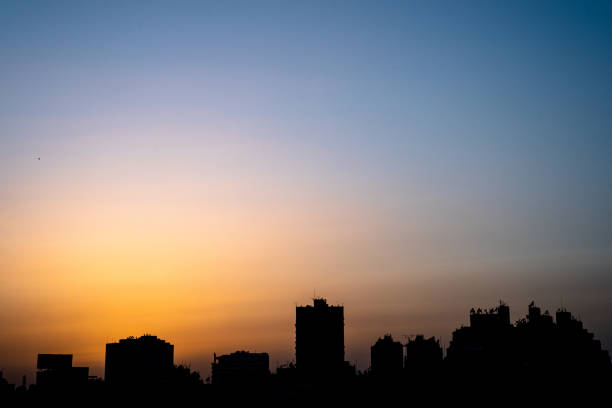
(193, 170)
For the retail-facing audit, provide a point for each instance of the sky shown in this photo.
(195, 170)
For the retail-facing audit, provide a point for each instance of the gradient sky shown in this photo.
(206, 166)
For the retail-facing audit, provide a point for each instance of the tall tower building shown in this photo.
(319, 338)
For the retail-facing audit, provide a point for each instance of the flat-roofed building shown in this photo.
(319, 338)
(146, 360)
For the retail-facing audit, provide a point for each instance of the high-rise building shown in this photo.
(319, 338)
(486, 344)
(387, 357)
(138, 361)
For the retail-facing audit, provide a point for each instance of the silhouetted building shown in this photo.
(485, 346)
(561, 349)
(240, 368)
(146, 360)
(319, 338)
(54, 361)
(423, 355)
(387, 357)
(55, 371)
(536, 348)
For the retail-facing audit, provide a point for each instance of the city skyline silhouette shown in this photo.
(543, 350)
(488, 316)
